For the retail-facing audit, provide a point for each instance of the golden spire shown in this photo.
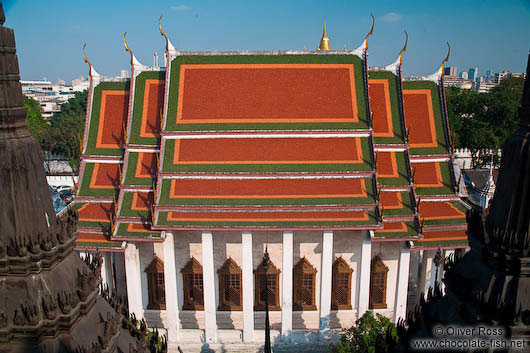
(324, 42)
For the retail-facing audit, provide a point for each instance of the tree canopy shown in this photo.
(37, 125)
(62, 133)
(483, 121)
(371, 334)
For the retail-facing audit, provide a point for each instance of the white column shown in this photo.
(170, 281)
(287, 283)
(248, 287)
(134, 286)
(325, 283)
(364, 280)
(400, 310)
(428, 271)
(210, 310)
(447, 254)
(107, 276)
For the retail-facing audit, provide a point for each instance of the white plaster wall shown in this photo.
(389, 253)
(305, 243)
(347, 244)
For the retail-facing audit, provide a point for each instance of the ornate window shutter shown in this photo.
(156, 284)
(230, 289)
(304, 276)
(341, 285)
(273, 279)
(378, 279)
(193, 286)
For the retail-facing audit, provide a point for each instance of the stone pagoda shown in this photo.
(490, 284)
(49, 297)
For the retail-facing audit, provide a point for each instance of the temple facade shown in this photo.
(341, 170)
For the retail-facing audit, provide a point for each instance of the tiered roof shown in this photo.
(264, 140)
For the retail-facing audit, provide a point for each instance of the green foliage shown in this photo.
(37, 125)
(481, 121)
(371, 334)
(67, 128)
(62, 133)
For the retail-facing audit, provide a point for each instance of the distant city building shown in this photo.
(451, 71)
(455, 81)
(499, 76)
(518, 74)
(464, 75)
(52, 95)
(486, 86)
(473, 74)
(489, 75)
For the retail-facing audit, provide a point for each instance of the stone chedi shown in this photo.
(49, 296)
(490, 284)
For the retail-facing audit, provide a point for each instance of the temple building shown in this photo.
(341, 170)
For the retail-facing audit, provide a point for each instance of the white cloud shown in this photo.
(392, 17)
(180, 8)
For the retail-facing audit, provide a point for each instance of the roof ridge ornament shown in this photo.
(170, 49)
(134, 62)
(364, 46)
(396, 65)
(440, 72)
(91, 71)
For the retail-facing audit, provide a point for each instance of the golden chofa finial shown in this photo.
(447, 57)
(324, 42)
(127, 48)
(404, 47)
(162, 32)
(91, 71)
(87, 61)
(170, 49)
(371, 31)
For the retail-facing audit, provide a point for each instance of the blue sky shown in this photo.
(50, 34)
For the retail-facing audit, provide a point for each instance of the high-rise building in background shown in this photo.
(473, 74)
(464, 75)
(499, 76)
(451, 71)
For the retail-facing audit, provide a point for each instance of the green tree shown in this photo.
(67, 128)
(371, 334)
(482, 121)
(37, 125)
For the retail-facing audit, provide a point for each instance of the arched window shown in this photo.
(378, 278)
(193, 286)
(304, 275)
(273, 281)
(155, 285)
(230, 293)
(341, 293)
